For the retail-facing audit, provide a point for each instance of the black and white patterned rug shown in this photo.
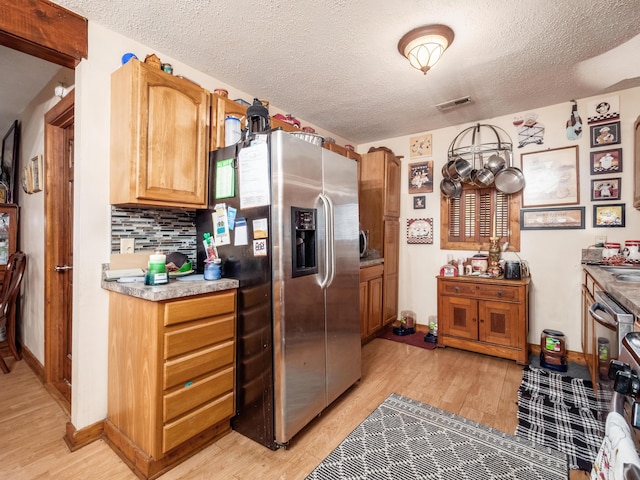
(563, 413)
(406, 439)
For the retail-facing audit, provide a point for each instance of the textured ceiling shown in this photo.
(335, 63)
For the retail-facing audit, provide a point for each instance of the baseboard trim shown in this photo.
(32, 362)
(76, 439)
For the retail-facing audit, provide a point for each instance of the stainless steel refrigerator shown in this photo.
(298, 326)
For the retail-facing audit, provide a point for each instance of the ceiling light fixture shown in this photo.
(423, 46)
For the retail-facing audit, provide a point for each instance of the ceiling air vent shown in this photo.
(453, 103)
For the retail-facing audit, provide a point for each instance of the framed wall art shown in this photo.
(604, 134)
(551, 177)
(604, 109)
(608, 215)
(552, 218)
(421, 177)
(605, 189)
(420, 231)
(606, 161)
(419, 202)
(10, 144)
(421, 146)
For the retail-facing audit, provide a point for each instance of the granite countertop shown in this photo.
(626, 293)
(174, 289)
(370, 261)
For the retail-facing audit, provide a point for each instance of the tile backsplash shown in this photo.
(158, 229)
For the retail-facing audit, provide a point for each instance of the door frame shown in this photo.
(56, 121)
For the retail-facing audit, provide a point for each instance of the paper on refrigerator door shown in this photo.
(220, 225)
(253, 176)
(240, 237)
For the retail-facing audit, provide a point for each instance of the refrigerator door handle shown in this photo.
(330, 261)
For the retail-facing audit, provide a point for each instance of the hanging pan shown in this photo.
(451, 188)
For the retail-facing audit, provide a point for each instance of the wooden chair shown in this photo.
(10, 288)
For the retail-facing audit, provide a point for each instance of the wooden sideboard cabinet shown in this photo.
(487, 316)
(171, 377)
(159, 138)
(370, 300)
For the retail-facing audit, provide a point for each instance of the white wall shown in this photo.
(554, 256)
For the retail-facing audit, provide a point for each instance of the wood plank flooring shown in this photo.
(478, 387)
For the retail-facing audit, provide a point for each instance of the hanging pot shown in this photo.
(495, 163)
(459, 169)
(510, 180)
(451, 188)
(484, 178)
(445, 169)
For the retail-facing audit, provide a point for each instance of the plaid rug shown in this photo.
(406, 439)
(563, 413)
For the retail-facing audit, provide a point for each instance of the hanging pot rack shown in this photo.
(475, 152)
(486, 159)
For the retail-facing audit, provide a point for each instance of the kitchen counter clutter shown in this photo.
(625, 292)
(174, 289)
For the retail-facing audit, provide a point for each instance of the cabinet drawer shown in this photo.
(187, 398)
(476, 290)
(179, 311)
(198, 335)
(191, 366)
(175, 433)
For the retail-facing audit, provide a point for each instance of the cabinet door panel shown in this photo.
(392, 186)
(375, 305)
(497, 322)
(460, 317)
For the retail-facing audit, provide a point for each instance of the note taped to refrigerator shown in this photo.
(231, 217)
(220, 225)
(260, 228)
(225, 178)
(253, 176)
(260, 247)
(240, 237)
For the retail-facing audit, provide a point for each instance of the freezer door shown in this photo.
(298, 302)
(342, 295)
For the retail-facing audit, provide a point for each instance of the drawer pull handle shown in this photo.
(500, 294)
(456, 289)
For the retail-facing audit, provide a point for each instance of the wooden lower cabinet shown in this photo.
(171, 377)
(370, 300)
(485, 316)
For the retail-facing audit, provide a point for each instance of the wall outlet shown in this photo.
(127, 245)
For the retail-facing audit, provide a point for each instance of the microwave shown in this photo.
(364, 241)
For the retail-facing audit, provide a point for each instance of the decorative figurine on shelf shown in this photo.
(153, 60)
(494, 250)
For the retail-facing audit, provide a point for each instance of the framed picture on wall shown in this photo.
(606, 161)
(552, 218)
(551, 177)
(605, 189)
(608, 215)
(605, 134)
(10, 144)
(421, 177)
(419, 202)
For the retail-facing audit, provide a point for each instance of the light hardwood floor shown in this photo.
(478, 387)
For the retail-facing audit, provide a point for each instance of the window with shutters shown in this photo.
(469, 221)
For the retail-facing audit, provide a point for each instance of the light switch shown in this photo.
(127, 245)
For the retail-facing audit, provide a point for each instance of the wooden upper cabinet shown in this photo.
(159, 138)
(392, 186)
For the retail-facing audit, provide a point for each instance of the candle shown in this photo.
(157, 258)
(493, 226)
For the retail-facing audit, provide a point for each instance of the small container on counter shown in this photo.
(213, 270)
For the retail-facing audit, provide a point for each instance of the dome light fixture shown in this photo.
(423, 46)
